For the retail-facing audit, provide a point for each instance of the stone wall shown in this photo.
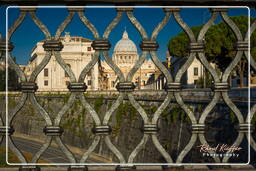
(126, 125)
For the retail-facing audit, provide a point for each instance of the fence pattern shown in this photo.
(102, 130)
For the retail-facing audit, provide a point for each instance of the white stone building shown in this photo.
(77, 53)
(125, 56)
(194, 72)
(189, 79)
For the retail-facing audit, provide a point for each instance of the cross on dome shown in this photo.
(125, 35)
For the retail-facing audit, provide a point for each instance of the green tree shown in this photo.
(12, 78)
(206, 81)
(219, 47)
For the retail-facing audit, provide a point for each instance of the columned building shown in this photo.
(77, 53)
(125, 56)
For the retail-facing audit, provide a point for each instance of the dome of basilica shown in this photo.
(125, 45)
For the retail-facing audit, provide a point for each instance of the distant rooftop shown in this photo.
(67, 38)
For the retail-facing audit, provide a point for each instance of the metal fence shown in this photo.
(125, 87)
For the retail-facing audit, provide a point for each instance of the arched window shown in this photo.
(66, 74)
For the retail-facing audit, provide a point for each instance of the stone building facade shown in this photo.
(189, 79)
(77, 53)
(125, 56)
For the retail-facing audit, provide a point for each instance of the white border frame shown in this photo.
(127, 164)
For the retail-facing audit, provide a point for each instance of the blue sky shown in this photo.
(28, 33)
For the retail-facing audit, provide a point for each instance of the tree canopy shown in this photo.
(219, 40)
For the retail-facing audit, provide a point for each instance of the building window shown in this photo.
(195, 71)
(89, 73)
(46, 72)
(195, 82)
(67, 83)
(144, 82)
(121, 57)
(46, 82)
(66, 74)
(113, 84)
(89, 48)
(89, 82)
(129, 57)
(238, 81)
(149, 66)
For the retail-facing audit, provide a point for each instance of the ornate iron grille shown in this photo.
(149, 45)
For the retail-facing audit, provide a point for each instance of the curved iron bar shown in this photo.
(204, 142)
(225, 76)
(215, 75)
(160, 148)
(115, 68)
(1, 124)
(233, 107)
(2, 139)
(136, 66)
(253, 112)
(16, 68)
(90, 110)
(116, 104)
(209, 107)
(161, 25)
(65, 108)
(137, 25)
(41, 26)
(114, 149)
(89, 66)
(40, 109)
(65, 149)
(177, 95)
(184, 67)
(15, 150)
(232, 25)
(201, 56)
(138, 107)
(91, 149)
(112, 25)
(138, 148)
(144, 36)
(108, 30)
(16, 24)
(252, 141)
(63, 65)
(64, 24)
(184, 26)
(88, 24)
(187, 148)
(161, 67)
(44, 147)
(162, 107)
(238, 141)
(18, 107)
(41, 66)
(252, 29)
(231, 66)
